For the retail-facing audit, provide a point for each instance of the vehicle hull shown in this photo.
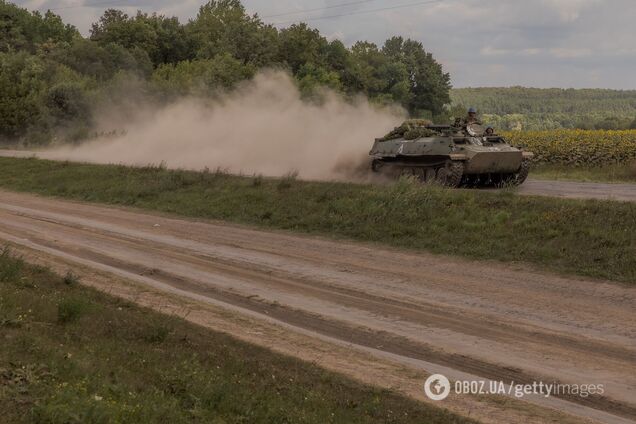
(482, 161)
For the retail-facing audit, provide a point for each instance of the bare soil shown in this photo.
(580, 190)
(384, 316)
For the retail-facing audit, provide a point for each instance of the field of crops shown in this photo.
(578, 147)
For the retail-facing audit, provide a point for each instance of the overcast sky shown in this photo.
(538, 43)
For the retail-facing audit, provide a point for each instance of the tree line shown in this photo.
(553, 108)
(51, 76)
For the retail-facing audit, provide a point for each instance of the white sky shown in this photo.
(538, 43)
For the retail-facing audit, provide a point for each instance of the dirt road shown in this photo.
(566, 189)
(436, 313)
(579, 190)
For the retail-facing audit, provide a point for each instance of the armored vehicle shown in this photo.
(451, 155)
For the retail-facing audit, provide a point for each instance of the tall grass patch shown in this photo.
(114, 362)
(585, 237)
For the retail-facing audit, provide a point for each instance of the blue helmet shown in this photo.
(472, 110)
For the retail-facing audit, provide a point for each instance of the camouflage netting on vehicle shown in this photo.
(410, 129)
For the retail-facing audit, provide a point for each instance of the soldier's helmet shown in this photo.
(472, 110)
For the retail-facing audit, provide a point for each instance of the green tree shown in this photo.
(37, 96)
(610, 123)
(361, 73)
(223, 27)
(50, 75)
(172, 42)
(68, 101)
(163, 39)
(336, 56)
(300, 45)
(429, 84)
(202, 76)
(372, 72)
(591, 102)
(451, 112)
(395, 76)
(100, 61)
(21, 30)
(311, 77)
(22, 85)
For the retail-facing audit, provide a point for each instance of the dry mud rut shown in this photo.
(381, 315)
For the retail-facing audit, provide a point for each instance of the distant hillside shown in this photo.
(552, 108)
(502, 101)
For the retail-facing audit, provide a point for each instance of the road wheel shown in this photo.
(499, 180)
(376, 165)
(429, 175)
(407, 172)
(420, 174)
(442, 175)
(522, 174)
(451, 174)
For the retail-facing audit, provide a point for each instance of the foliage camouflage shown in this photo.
(449, 155)
(410, 129)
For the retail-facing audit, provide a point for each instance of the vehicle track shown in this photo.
(492, 320)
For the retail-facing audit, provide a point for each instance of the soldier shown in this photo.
(472, 116)
(490, 131)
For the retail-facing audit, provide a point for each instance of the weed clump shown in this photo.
(70, 279)
(288, 180)
(156, 334)
(70, 310)
(10, 267)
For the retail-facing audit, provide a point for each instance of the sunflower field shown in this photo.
(577, 147)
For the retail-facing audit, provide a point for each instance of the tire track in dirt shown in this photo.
(341, 290)
(393, 308)
(579, 190)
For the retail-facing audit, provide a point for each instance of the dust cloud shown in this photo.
(263, 127)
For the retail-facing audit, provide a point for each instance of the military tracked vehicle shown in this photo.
(452, 155)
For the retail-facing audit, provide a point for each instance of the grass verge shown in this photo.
(71, 354)
(585, 237)
(602, 174)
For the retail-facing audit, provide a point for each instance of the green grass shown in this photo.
(604, 174)
(117, 362)
(585, 237)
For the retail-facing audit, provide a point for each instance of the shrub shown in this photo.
(10, 267)
(287, 180)
(70, 278)
(156, 334)
(69, 310)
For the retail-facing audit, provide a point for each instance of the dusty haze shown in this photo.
(263, 127)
